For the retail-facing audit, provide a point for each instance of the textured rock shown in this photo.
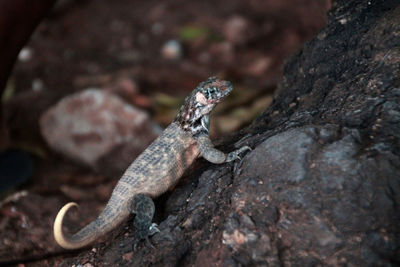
(321, 186)
(94, 127)
(328, 196)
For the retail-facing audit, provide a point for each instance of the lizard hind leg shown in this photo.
(143, 207)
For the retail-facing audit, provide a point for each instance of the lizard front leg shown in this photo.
(213, 155)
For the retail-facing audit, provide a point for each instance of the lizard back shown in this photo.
(161, 165)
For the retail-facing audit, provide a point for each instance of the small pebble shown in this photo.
(37, 85)
(236, 29)
(343, 21)
(171, 50)
(127, 256)
(25, 54)
(260, 66)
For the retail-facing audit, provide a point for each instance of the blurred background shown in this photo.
(98, 80)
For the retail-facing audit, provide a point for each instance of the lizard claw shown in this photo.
(234, 155)
(135, 245)
(153, 229)
(148, 243)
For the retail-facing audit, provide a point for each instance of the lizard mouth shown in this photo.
(225, 88)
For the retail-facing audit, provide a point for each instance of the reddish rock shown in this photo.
(236, 30)
(259, 67)
(87, 126)
(128, 89)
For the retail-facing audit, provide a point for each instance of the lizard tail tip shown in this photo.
(58, 223)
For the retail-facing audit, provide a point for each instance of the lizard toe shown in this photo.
(153, 229)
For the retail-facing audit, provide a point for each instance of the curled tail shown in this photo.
(113, 214)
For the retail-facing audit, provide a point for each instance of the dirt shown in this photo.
(101, 43)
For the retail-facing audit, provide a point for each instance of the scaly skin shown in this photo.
(157, 169)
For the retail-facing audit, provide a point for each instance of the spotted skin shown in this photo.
(157, 169)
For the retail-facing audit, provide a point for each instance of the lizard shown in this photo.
(157, 169)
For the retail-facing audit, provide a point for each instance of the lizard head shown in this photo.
(193, 115)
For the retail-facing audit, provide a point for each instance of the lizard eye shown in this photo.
(211, 91)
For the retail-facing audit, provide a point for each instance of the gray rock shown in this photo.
(90, 125)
